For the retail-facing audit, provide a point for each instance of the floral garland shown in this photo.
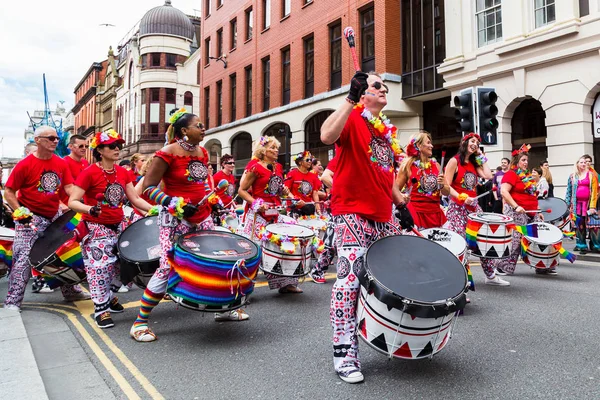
(104, 137)
(289, 244)
(384, 127)
(527, 179)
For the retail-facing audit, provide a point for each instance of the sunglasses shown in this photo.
(81, 146)
(114, 146)
(230, 163)
(378, 85)
(50, 138)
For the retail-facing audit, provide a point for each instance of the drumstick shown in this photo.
(349, 34)
(481, 195)
(416, 232)
(443, 157)
(221, 186)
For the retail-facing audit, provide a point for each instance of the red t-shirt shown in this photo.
(94, 181)
(302, 185)
(465, 180)
(332, 165)
(38, 183)
(227, 195)
(186, 177)
(362, 186)
(424, 187)
(134, 177)
(76, 168)
(267, 185)
(522, 198)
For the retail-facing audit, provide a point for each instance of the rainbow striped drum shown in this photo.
(212, 271)
(7, 237)
(489, 235)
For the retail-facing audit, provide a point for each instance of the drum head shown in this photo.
(7, 234)
(447, 238)
(140, 241)
(490, 218)
(558, 208)
(547, 234)
(51, 239)
(312, 223)
(290, 230)
(416, 268)
(219, 246)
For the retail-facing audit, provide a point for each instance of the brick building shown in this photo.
(85, 99)
(107, 95)
(280, 67)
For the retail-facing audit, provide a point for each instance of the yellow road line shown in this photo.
(86, 308)
(108, 365)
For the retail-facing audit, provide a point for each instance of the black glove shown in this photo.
(217, 207)
(94, 211)
(358, 85)
(406, 220)
(189, 210)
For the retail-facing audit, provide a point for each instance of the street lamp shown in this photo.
(221, 58)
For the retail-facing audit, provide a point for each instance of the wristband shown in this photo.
(350, 101)
(21, 213)
(460, 200)
(158, 196)
(481, 159)
(153, 211)
(256, 204)
(175, 207)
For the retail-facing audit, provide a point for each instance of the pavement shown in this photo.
(534, 339)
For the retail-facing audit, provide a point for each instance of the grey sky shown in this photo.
(60, 38)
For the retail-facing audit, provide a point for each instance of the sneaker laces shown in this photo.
(104, 316)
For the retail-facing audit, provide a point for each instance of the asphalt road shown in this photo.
(535, 339)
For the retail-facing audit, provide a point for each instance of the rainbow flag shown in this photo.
(470, 278)
(70, 254)
(527, 230)
(73, 222)
(471, 233)
(563, 252)
(6, 252)
(568, 234)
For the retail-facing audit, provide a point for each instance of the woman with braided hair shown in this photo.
(181, 169)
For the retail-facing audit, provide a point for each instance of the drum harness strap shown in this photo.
(239, 274)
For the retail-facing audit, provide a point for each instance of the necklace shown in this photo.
(527, 179)
(187, 146)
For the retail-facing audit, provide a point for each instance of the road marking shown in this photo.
(86, 308)
(108, 365)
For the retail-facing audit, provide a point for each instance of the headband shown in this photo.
(524, 149)
(170, 134)
(105, 138)
(411, 149)
(471, 135)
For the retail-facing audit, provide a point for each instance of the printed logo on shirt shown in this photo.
(114, 195)
(275, 185)
(429, 183)
(305, 188)
(381, 152)
(196, 171)
(49, 182)
(469, 181)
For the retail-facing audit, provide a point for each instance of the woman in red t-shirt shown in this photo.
(519, 193)
(103, 186)
(426, 183)
(461, 175)
(304, 186)
(264, 178)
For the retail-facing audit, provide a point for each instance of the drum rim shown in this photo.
(454, 234)
(553, 199)
(413, 301)
(248, 259)
(312, 233)
(477, 217)
(535, 240)
(121, 256)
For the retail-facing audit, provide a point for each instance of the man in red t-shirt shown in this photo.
(362, 200)
(75, 160)
(38, 179)
(226, 172)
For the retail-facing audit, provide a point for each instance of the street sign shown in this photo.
(596, 116)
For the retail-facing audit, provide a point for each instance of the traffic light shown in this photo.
(487, 111)
(463, 112)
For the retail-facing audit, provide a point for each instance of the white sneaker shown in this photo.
(233, 315)
(496, 281)
(123, 289)
(12, 307)
(354, 376)
(46, 289)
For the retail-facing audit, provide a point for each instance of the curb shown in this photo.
(20, 378)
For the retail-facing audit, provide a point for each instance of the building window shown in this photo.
(171, 60)
(266, 20)
(130, 77)
(285, 72)
(207, 51)
(309, 67)
(489, 21)
(219, 103)
(286, 8)
(248, 96)
(219, 3)
(155, 95)
(206, 107)
(155, 60)
(233, 96)
(367, 47)
(154, 129)
(544, 12)
(207, 8)
(584, 9)
(423, 46)
(335, 54)
(233, 29)
(266, 68)
(188, 101)
(249, 23)
(170, 96)
(144, 60)
(220, 42)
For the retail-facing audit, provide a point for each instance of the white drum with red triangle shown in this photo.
(294, 263)
(493, 237)
(542, 251)
(448, 239)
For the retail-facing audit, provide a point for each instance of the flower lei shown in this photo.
(288, 244)
(384, 127)
(527, 179)
(175, 207)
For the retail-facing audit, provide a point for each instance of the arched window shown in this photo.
(529, 126)
(188, 101)
(241, 150)
(312, 136)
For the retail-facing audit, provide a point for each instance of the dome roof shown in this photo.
(166, 20)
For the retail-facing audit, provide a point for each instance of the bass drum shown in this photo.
(407, 305)
(139, 251)
(559, 211)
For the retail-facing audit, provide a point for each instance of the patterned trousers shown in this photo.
(353, 235)
(101, 263)
(328, 254)
(509, 263)
(20, 272)
(457, 222)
